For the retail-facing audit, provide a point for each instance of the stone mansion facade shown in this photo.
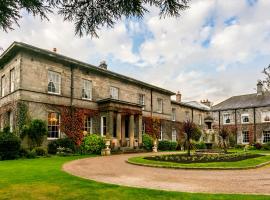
(118, 107)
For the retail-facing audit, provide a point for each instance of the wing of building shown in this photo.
(121, 108)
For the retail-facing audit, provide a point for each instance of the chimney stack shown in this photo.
(178, 97)
(54, 50)
(259, 88)
(103, 65)
(206, 102)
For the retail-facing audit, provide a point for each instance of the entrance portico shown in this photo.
(123, 124)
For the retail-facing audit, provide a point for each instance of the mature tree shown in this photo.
(87, 15)
(189, 128)
(266, 72)
(224, 134)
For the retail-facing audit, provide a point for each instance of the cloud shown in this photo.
(214, 50)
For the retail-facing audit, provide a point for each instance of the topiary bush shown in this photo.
(200, 145)
(63, 142)
(148, 142)
(93, 144)
(10, 145)
(196, 134)
(166, 145)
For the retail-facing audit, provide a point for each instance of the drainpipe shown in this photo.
(254, 124)
(192, 115)
(151, 103)
(72, 86)
(235, 122)
(219, 121)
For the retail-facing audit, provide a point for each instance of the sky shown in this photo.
(215, 50)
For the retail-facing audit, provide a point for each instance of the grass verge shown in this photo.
(43, 179)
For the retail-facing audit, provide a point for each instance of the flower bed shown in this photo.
(204, 158)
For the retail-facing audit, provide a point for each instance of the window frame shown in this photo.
(3, 85)
(265, 114)
(59, 122)
(86, 123)
(173, 114)
(245, 139)
(161, 133)
(55, 84)
(174, 135)
(224, 119)
(142, 100)
(89, 89)
(243, 117)
(112, 90)
(12, 80)
(102, 126)
(263, 137)
(200, 119)
(159, 106)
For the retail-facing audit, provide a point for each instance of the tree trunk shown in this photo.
(188, 147)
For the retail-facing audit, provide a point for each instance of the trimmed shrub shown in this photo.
(10, 146)
(232, 140)
(62, 151)
(93, 144)
(239, 146)
(40, 151)
(148, 142)
(196, 134)
(31, 154)
(23, 152)
(200, 145)
(166, 145)
(63, 142)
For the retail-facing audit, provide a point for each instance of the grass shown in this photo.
(248, 163)
(43, 179)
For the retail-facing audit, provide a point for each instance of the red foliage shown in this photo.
(152, 126)
(72, 122)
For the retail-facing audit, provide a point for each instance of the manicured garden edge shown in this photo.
(139, 160)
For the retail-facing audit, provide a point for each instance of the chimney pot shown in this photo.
(103, 65)
(178, 97)
(54, 50)
(259, 88)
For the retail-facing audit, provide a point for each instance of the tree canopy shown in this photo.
(88, 16)
(266, 72)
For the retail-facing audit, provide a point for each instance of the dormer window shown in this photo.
(226, 118)
(245, 118)
(54, 82)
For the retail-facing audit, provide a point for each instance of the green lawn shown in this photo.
(43, 179)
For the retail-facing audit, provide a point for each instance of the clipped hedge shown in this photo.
(148, 142)
(10, 146)
(63, 142)
(166, 145)
(93, 144)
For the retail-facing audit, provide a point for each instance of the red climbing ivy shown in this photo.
(152, 126)
(72, 122)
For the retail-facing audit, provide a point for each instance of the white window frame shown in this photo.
(243, 116)
(52, 75)
(142, 100)
(225, 118)
(160, 105)
(174, 135)
(161, 133)
(88, 124)
(265, 114)
(12, 80)
(59, 119)
(114, 92)
(102, 126)
(243, 137)
(11, 121)
(268, 136)
(174, 114)
(3, 85)
(87, 91)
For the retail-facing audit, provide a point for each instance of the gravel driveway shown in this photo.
(114, 169)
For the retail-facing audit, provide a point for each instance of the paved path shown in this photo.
(114, 169)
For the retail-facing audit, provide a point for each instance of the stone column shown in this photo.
(118, 127)
(131, 131)
(110, 125)
(140, 130)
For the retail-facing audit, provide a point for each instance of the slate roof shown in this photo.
(16, 47)
(244, 101)
(193, 104)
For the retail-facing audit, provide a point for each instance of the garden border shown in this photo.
(195, 168)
